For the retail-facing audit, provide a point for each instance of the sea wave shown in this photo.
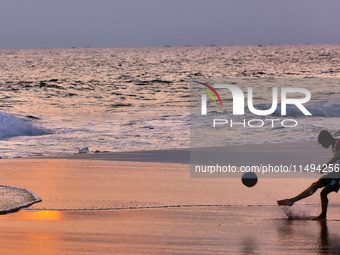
(12, 125)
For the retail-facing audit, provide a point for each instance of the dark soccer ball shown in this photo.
(249, 179)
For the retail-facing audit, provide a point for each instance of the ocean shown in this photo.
(54, 101)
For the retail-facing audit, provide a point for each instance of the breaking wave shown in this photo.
(11, 125)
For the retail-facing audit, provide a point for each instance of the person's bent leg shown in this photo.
(324, 203)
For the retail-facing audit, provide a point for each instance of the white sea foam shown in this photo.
(11, 125)
(14, 198)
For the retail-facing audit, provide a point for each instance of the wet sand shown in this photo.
(121, 207)
(196, 230)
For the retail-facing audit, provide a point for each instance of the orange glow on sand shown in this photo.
(44, 215)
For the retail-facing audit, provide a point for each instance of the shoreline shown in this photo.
(293, 153)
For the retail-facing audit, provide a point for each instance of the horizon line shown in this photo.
(169, 46)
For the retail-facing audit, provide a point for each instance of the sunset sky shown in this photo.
(143, 23)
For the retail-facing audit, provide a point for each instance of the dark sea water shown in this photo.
(122, 99)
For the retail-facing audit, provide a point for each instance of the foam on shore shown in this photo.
(15, 198)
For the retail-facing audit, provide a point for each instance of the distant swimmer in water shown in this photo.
(329, 182)
(83, 150)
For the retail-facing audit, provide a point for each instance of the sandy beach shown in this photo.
(112, 204)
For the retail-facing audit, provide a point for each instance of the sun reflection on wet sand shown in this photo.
(22, 234)
(44, 215)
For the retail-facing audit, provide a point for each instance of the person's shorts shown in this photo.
(333, 183)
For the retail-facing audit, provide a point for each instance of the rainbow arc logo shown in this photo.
(209, 93)
(204, 96)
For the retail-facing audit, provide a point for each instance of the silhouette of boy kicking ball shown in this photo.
(329, 182)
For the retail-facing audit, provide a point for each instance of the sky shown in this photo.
(150, 23)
